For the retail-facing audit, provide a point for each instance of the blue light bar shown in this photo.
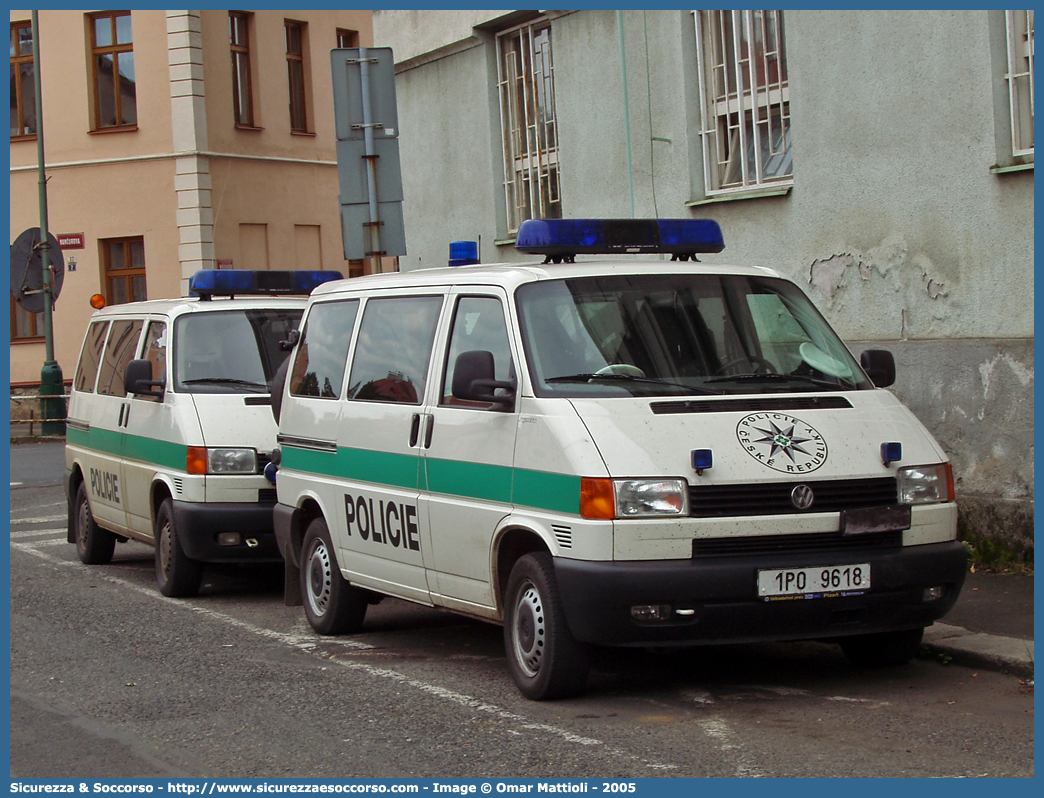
(207, 283)
(463, 253)
(562, 239)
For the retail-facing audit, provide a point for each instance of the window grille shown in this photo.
(239, 42)
(114, 81)
(1019, 75)
(23, 92)
(744, 100)
(525, 78)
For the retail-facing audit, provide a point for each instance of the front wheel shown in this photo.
(883, 649)
(179, 576)
(546, 661)
(94, 545)
(331, 604)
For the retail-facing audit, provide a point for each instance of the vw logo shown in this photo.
(802, 497)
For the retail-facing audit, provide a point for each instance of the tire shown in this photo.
(331, 604)
(94, 545)
(545, 660)
(883, 649)
(178, 575)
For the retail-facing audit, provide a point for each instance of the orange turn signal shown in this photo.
(951, 492)
(596, 499)
(97, 301)
(196, 461)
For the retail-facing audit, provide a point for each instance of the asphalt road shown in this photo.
(111, 679)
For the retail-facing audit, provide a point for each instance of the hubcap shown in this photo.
(163, 547)
(319, 578)
(528, 631)
(82, 517)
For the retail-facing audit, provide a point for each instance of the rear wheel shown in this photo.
(331, 604)
(179, 576)
(94, 545)
(546, 661)
(883, 649)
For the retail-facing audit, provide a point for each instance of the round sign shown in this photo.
(27, 270)
(782, 442)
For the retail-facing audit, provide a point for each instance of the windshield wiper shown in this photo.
(770, 376)
(629, 378)
(224, 381)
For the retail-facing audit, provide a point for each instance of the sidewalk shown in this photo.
(990, 626)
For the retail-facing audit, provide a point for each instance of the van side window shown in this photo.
(478, 324)
(156, 352)
(119, 351)
(323, 352)
(394, 349)
(87, 371)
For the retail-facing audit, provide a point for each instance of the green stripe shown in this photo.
(133, 447)
(540, 490)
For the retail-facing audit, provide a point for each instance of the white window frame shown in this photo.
(532, 178)
(1019, 76)
(744, 101)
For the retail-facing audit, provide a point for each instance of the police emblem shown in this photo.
(782, 442)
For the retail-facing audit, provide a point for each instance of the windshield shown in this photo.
(233, 351)
(679, 334)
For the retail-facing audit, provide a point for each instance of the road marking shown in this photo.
(32, 533)
(16, 484)
(50, 519)
(727, 742)
(310, 643)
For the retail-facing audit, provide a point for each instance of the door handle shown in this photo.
(415, 429)
(123, 409)
(126, 416)
(431, 428)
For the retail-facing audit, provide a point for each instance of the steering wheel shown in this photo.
(761, 365)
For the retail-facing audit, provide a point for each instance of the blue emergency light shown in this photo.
(563, 239)
(208, 283)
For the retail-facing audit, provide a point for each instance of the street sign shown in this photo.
(369, 175)
(27, 270)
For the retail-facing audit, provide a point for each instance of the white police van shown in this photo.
(619, 452)
(169, 428)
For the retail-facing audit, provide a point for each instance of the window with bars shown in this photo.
(295, 71)
(123, 260)
(1019, 77)
(242, 92)
(23, 92)
(113, 82)
(525, 76)
(744, 100)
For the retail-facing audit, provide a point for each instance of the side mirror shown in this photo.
(138, 380)
(474, 378)
(879, 366)
(292, 338)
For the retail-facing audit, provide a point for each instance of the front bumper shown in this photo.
(199, 523)
(722, 591)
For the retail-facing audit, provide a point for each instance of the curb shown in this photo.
(974, 649)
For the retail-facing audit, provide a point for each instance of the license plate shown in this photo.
(817, 582)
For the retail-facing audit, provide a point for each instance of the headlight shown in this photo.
(926, 484)
(231, 461)
(642, 498)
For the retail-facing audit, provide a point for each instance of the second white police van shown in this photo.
(617, 452)
(169, 429)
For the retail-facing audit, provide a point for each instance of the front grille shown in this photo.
(773, 498)
(816, 542)
(266, 495)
